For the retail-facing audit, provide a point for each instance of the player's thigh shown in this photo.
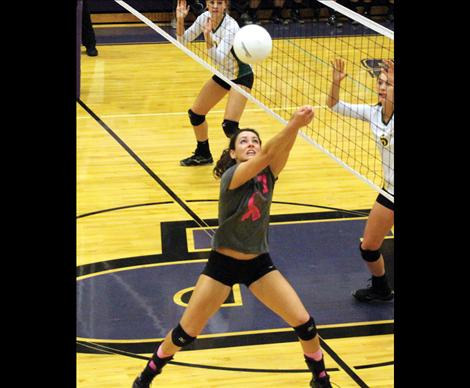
(206, 299)
(379, 224)
(276, 293)
(210, 94)
(236, 103)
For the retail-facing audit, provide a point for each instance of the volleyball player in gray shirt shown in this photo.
(240, 249)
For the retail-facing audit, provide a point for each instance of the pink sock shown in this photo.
(160, 354)
(317, 356)
(152, 365)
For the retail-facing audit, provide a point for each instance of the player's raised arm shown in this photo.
(274, 153)
(182, 11)
(389, 103)
(338, 75)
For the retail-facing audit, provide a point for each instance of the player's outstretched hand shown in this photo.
(207, 27)
(303, 116)
(389, 70)
(182, 9)
(338, 70)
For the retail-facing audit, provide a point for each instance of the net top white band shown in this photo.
(167, 36)
(331, 4)
(361, 19)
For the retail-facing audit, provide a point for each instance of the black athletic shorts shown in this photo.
(246, 80)
(384, 201)
(230, 271)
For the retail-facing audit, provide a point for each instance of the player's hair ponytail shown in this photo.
(225, 161)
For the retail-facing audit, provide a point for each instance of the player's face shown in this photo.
(247, 146)
(382, 87)
(216, 7)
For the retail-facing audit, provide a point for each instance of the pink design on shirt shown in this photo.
(253, 210)
(264, 180)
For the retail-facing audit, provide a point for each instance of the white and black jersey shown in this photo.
(383, 134)
(222, 52)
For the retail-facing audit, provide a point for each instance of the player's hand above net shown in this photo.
(182, 9)
(338, 70)
(389, 70)
(303, 116)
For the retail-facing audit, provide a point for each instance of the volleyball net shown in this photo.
(299, 72)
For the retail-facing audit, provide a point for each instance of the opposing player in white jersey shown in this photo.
(381, 216)
(219, 31)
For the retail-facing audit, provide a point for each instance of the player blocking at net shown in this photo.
(381, 216)
(240, 251)
(219, 30)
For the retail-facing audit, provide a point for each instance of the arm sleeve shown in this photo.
(356, 111)
(220, 52)
(193, 31)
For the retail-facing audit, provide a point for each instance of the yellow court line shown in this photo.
(184, 113)
(292, 222)
(235, 333)
(392, 237)
(142, 266)
(316, 221)
(190, 243)
(236, 292)
(192, 248)
(111, 25)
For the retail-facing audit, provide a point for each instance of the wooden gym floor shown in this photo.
(140, 245)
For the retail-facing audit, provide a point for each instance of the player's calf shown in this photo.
(315, 362)
(379, 289)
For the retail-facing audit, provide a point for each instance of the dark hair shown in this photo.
(225, 161)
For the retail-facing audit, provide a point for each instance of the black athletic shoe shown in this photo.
(370, 294)
(139, 384)
(323, 382)
(197, 160)
(91, 51)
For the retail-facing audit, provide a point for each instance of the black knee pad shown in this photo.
(180, 338)
(195, 118)
(369, 256)
(230, 127)
(306, 331)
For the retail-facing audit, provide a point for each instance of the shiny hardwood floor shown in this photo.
(142, 93)
(111, 371)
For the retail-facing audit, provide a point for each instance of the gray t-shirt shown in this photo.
(244, 213)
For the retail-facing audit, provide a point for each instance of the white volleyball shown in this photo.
(252, 44)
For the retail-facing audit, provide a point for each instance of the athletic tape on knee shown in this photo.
(306, 331)
(369, 256)
(230, 127)
(195, 119)
(180, 338)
